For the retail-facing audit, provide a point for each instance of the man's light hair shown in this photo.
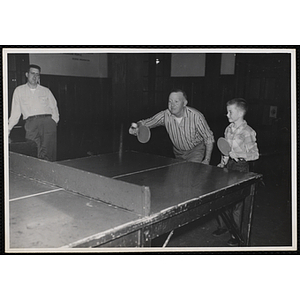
(179, 91)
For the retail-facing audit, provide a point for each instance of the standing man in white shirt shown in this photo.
(39, 108)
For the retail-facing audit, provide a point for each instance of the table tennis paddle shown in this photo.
(223, 146)
(143, 134)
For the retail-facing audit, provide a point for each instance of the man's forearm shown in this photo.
(12, 124)
(209, 148)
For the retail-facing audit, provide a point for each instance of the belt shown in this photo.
(39, 116)
(239, 159)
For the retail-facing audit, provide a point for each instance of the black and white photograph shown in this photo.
(149, 149)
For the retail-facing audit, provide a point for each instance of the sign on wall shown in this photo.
(71, 64)
(227, 63)
(188, 65)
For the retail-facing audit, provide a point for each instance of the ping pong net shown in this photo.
(121, 194)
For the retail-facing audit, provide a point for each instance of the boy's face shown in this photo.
(234, 114)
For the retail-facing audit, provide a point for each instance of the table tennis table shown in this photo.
(116, 200)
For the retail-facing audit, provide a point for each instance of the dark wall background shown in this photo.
(95, 112)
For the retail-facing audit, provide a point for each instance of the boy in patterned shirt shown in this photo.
(242, 140)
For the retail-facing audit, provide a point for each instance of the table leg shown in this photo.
(230, 224)
(242, 233)
(247, 215)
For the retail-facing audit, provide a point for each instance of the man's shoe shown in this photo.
(233, 242)
(219, 231)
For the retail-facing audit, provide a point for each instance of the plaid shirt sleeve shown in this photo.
(250, 146)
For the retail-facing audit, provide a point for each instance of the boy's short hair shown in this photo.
(179, 91)
(240, 103)
(34, 67)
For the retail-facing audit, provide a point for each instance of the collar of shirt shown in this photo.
(241, 126)
(27, 84)
(184, 113)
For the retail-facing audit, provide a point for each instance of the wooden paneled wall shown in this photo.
(94, 110)
(86, 111)
(17, 67)
(265, 80)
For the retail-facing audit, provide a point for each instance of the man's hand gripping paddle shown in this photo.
(142, 132)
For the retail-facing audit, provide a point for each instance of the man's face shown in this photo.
(33, 76)
(176, 104)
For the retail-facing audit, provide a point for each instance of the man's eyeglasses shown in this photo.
(36, 74)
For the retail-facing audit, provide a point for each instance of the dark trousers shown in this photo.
(195, 155)
(42, 130)
(236, 211)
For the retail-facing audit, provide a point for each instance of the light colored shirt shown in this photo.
(30, 102)
(242, 141)
(190, 132)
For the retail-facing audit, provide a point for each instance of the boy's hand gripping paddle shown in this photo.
(223, 146)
